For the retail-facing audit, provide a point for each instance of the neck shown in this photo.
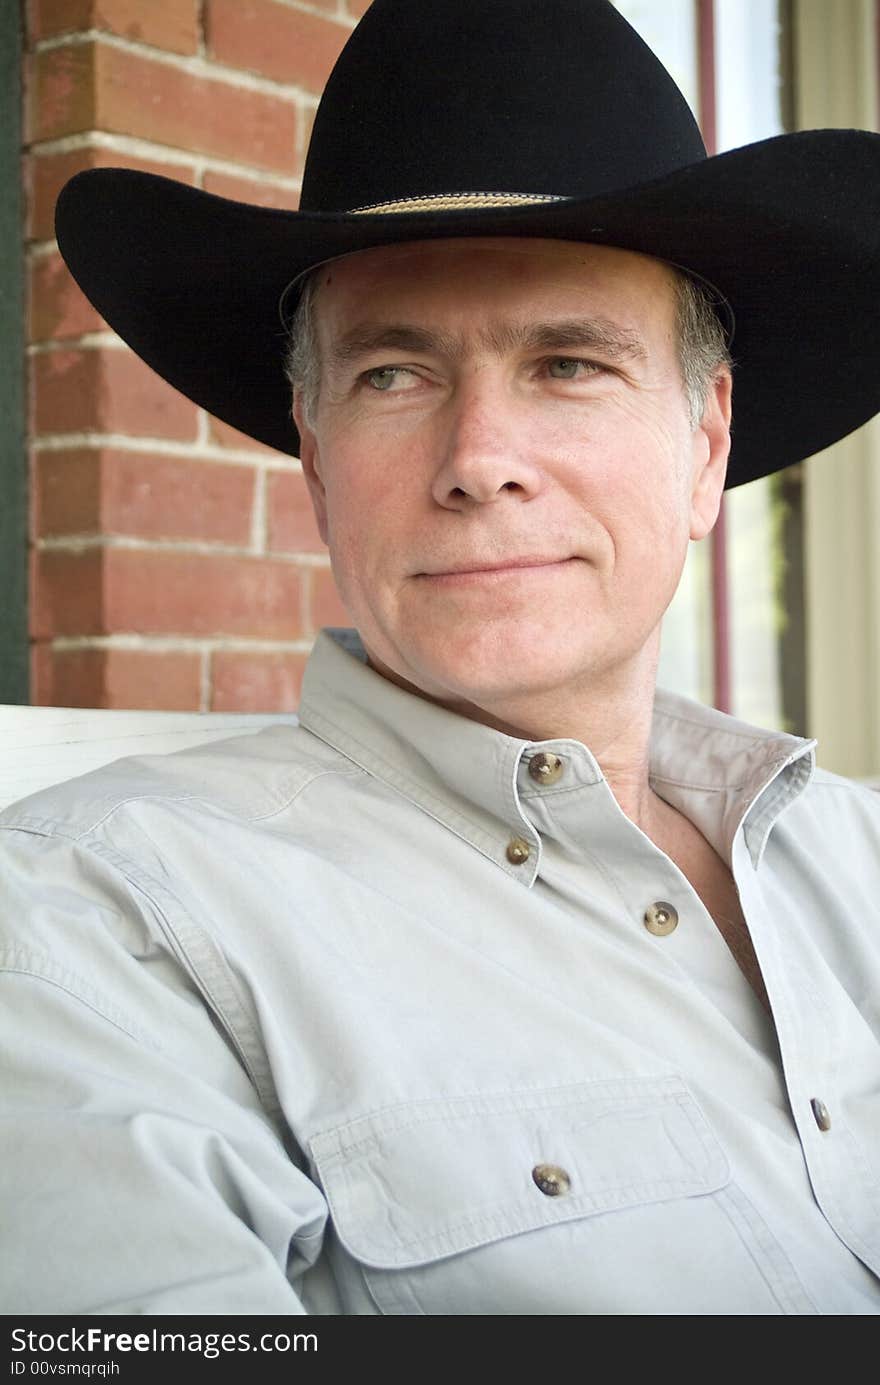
(611, 715)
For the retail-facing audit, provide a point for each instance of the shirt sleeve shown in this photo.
(138, 1172)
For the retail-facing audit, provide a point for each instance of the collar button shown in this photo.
(545, 768)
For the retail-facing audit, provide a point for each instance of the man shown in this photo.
(501, 984)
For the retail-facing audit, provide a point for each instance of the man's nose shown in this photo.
(485, 452)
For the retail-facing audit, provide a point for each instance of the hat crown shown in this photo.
(551, 98)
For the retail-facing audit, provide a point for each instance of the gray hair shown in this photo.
(702, 341)
(702, 345)
(302, 364)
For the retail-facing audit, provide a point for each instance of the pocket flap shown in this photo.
(421, 1181)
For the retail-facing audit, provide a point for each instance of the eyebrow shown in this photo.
(563, 334)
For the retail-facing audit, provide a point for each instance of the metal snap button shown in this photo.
(545, 768)
(551, 1179)
(661, 918)
(518, 851)
(820, 1113)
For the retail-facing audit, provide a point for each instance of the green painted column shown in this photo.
(13, 453)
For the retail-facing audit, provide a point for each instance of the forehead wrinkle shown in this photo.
(500, 337)
(584, 334)
(367, 338)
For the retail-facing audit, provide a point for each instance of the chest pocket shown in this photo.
(602, 1197)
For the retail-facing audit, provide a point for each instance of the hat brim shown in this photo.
(788, 230)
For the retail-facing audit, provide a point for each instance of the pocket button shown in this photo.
(551, 1179)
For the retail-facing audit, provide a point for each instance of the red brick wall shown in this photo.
(175, 562)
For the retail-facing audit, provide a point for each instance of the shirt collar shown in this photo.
(723, 773)
(720, 772)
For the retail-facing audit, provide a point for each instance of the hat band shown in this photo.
(450, 201)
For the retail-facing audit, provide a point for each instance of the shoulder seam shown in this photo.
(61, 827)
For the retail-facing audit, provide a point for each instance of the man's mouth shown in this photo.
(499, 567)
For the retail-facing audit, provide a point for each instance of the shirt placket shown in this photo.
(591, 852)
(820, 1056)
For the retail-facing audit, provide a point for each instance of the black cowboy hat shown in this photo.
(547, 118)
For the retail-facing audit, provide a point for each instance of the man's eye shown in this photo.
(385, 377)
(568, 368)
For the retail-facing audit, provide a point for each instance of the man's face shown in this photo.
(502, 463)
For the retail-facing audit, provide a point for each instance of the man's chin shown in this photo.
(481, 677)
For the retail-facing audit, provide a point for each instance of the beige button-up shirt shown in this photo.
(382, 1013)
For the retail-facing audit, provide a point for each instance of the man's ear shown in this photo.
(711, 444)
(311, 464)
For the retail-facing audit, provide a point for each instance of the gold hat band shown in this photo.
(451, 201)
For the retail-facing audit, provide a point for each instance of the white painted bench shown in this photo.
(40, 746)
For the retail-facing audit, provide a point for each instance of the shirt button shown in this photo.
(545, 768)
(820, 1112)
(551, 1179)
(518, 851)
(661, 918)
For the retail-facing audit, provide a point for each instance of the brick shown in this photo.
(137, 495)
(325, 605)
(57, 306)
(169, 24)
(245, 682)
(94, 86)
(67, 593)
(66, 493)
(46, 175)
(160, 497)
(290, 520)
(201, 594)
(110, 591)
(124, 678)
(251, 190)
(224, 435)
(41, 675)
(307, 122)
(46, 18)
(107, 390)
(285, 44)
(61, 91)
